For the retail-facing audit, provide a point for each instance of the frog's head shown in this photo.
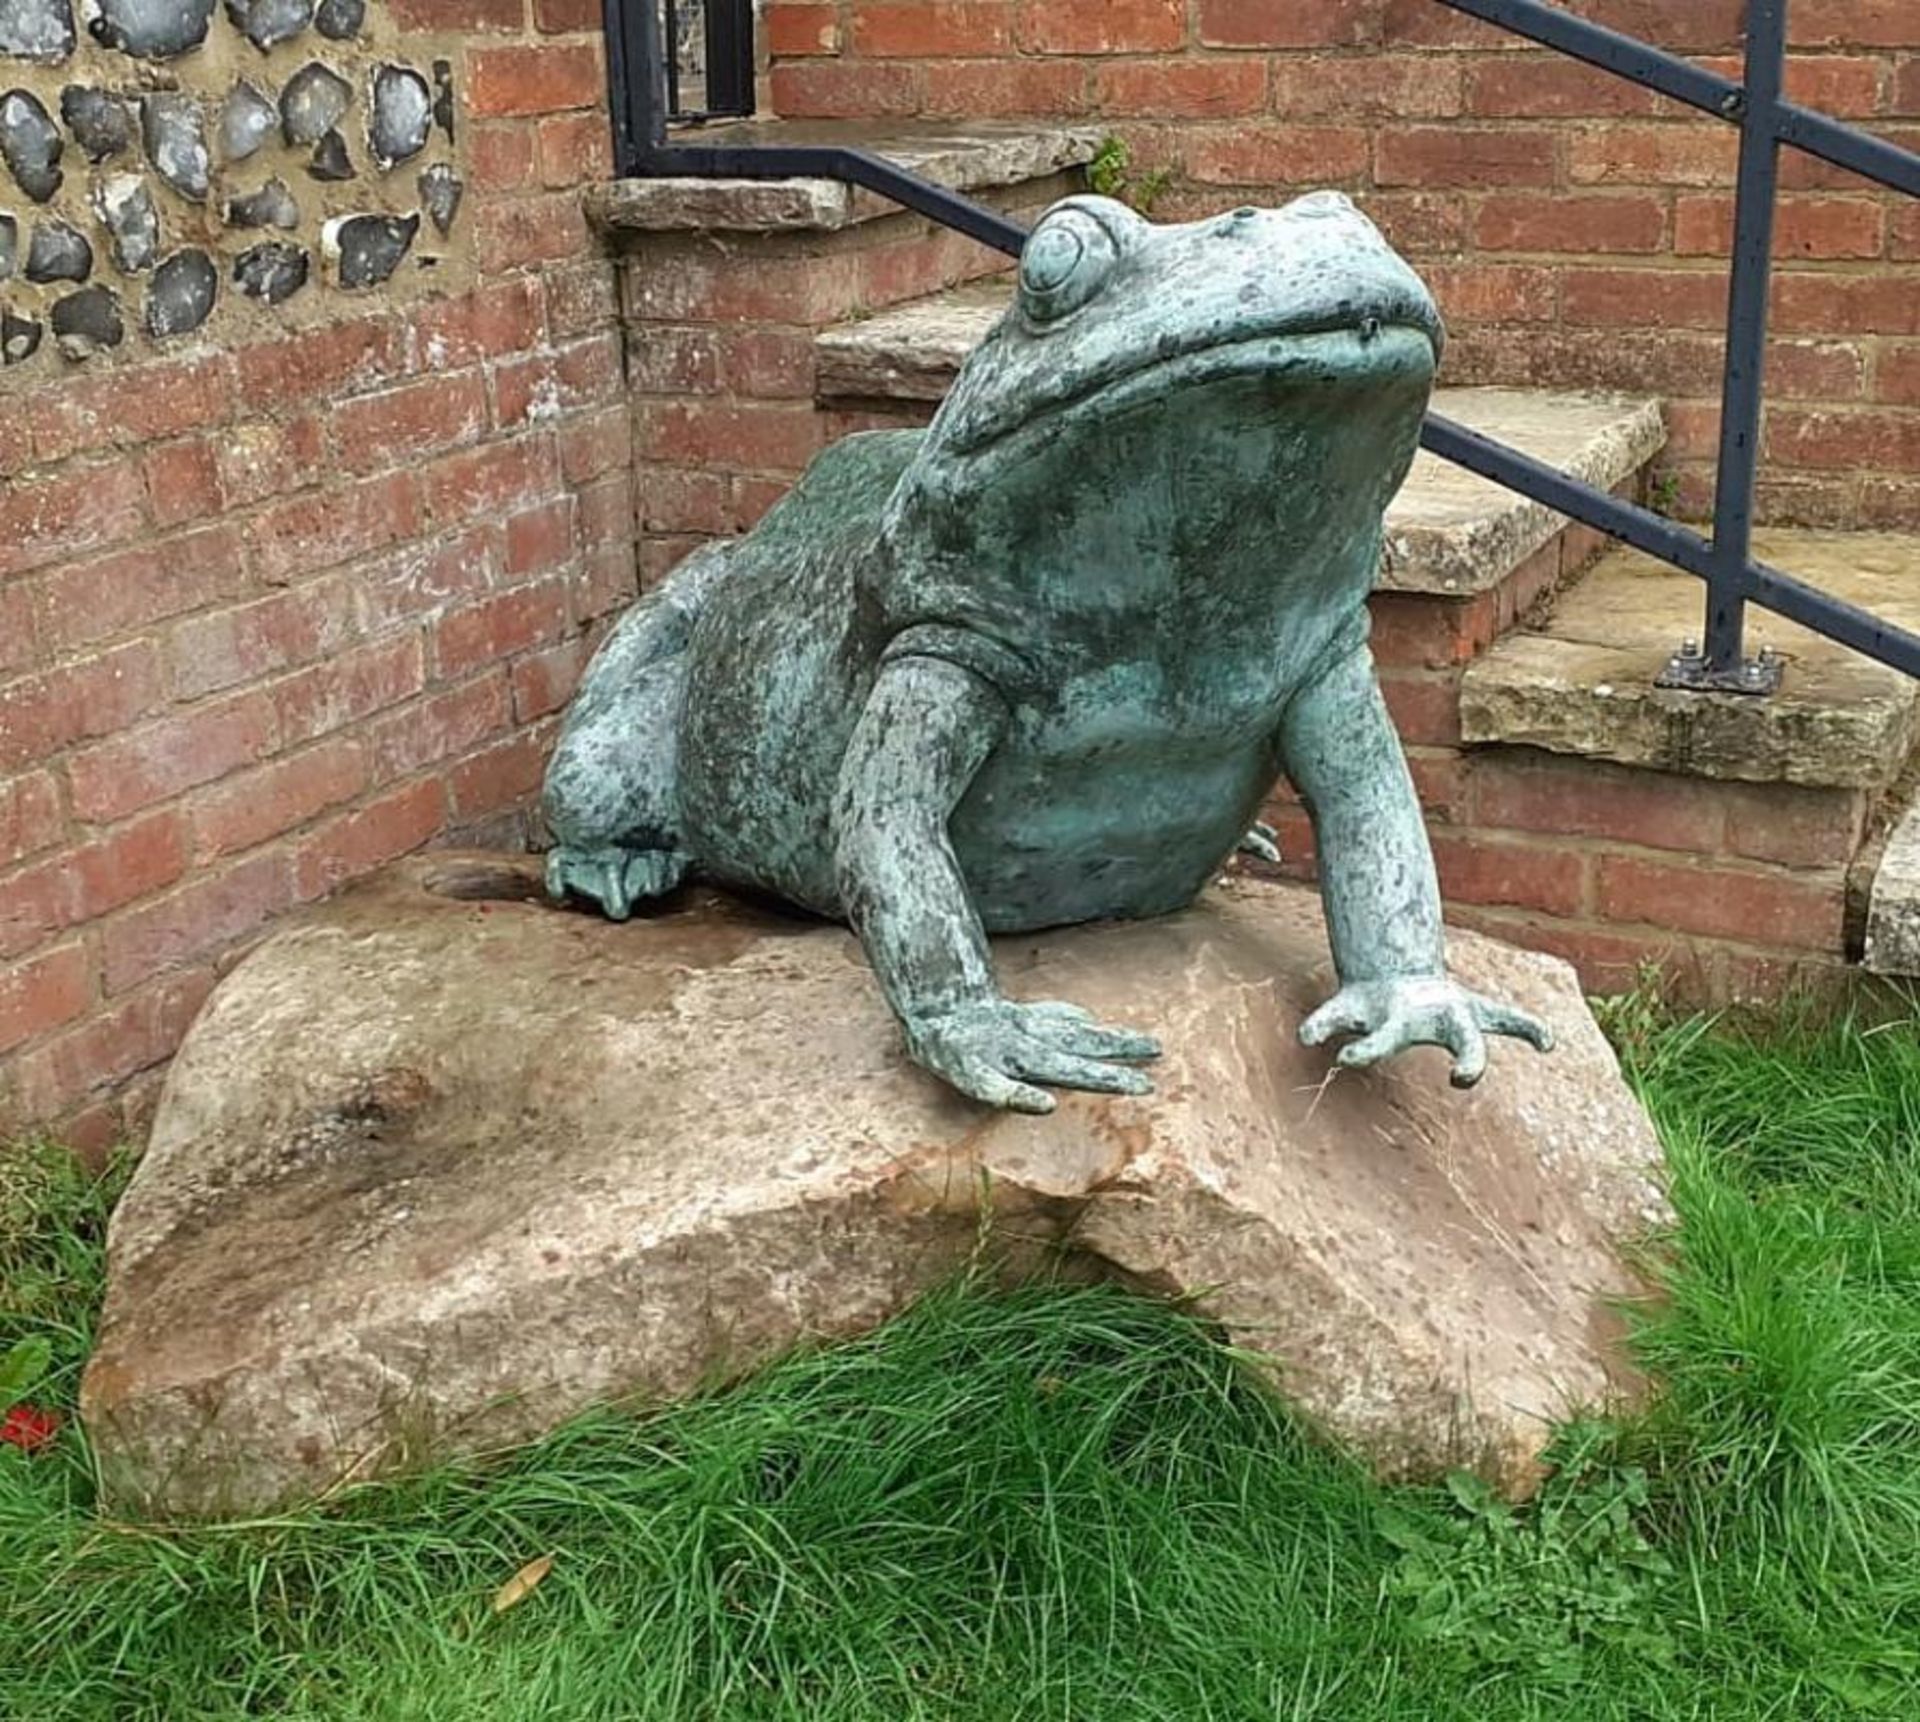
(1200, 383)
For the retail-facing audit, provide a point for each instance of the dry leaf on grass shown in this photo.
(522, 1585)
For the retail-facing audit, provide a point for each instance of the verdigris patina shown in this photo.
(1041, 663)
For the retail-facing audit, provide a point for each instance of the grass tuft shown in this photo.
(1073, 1503)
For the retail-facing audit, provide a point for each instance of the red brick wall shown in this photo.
(1574, 226)
(272, 615)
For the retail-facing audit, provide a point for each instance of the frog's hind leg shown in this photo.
(611, 797)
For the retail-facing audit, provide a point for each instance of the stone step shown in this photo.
(1582, 683)
(1893, 909)
(1449, 533)
(975, 158)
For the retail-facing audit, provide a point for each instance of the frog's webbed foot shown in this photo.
(615, 878)
(1263, 843)
(995, 1051)
(1422, 1010)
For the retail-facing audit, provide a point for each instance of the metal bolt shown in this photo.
(1690, 649)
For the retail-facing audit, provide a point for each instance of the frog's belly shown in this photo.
(1052, 847)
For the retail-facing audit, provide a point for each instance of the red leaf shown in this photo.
(29, 1428)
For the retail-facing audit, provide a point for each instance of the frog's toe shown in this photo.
(615, 879)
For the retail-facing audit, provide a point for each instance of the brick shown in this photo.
(417, 580)
(716, 289)
(1897, 377)
(520, 81)
(1405, 86)
(1825, 228)
(1633, 298)
(131, 405)
(967, 89)
(447, 723)
(489, 481)
(1104, 27)
(20, 644)
(608, 580)
(1884, 441)
(322, 364)
(540, 538)
(133, 1034)
(394, 824)
(567, 17)
(254, 807)
(307, 534)
(582, 299)
(1698, 27)
(932, 29)
(1794, 827)
(1421, 24)
(503, 775)
(1853, 24)
(1487, 870)
(1182, 89)
(79, 509)
(1610, 224)
(183, 482)
(543, 682)
(82, 603)
(248, 642)
(575, 149)
(544, 386)
(30, 817)
(1883, 302)
(1495, 292)
(500, 626)
(1419, 222)
(178, 752)
(1425, 708)
(598, 443)
(1550, 797)
(682, 499)
(1754, 907)
(1817, 370)
(347, 688)
(43, 994)
(119, 867)
(795, 29)
(1609, 960)
(1298, 24)
(1547, 86)
(461, 15)
(502, 157)
(752, 435)
(42, 714)
(834, 89)
(488, 323)
(210, 912)
(1681, 153)
(1463, 156)
(1265, 154)
(521, 232)
(269, 458)
(398, 425)
(1413, 631)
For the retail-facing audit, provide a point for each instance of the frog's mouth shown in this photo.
(1329, 351)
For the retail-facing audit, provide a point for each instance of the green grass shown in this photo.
(1070, 1503)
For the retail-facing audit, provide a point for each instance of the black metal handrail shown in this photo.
(1767, 122)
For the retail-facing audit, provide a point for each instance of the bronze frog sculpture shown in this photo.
(1041, 663)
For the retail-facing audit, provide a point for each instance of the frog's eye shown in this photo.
(1065, 264)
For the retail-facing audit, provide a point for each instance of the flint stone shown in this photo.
(331, 161)
(313, 102)
(30, 144)
(272, 205)
(100, 123)
(443, 97)
(441, 192)
(441, 1166)
(86, 321)
(267, 23)
(367, 249)
(402, 115)
(149, 29)
(125, 207)
(271, 273)
(176, 140)
(58, 252)
(182, 295)
(19, 338)
(247, 120)
(36, 29)
(9, 245)
(340, 20)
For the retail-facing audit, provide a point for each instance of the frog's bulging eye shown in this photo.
(1065, 263)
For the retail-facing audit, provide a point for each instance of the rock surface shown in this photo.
(440, 1166)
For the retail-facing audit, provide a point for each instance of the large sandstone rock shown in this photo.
(441, 1165)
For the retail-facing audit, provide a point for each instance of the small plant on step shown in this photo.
(1111, 174)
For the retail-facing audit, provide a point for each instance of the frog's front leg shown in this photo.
(927, 729)
(1378, 883)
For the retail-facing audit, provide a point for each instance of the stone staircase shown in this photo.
(1736, 844)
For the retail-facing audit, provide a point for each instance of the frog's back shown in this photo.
(781, 663)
